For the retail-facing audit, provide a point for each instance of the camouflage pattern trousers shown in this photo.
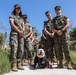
(49, 49)
(62, 46)
(16, 46)
(28, 49)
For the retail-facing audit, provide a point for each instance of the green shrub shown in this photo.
(73, 57)
(4, 62)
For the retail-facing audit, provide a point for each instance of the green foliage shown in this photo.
(73, 38)
(73, 57)
(4, 62)
(73, 33)
(2, 39)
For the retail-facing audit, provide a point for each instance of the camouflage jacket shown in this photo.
(17, 21)
(59, 22)
(48, 25)
(27, 28)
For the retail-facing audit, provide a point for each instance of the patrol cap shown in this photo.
(47, 12)
(57, 7)
(16, 6)
(24, 16)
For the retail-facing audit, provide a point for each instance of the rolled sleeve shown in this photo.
(11, 18)
(68, 19)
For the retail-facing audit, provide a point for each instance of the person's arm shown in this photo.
(60, 32)
(44, 36)
(14, 26)
(66, 26)
(52, 26)
(48, 33)
(37, 41)
(54, 30)
(23, 27)
(29, 34)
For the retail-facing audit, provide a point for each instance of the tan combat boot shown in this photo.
(31, 62)
(69, 65)
(60, 64)
(22, 62)
(14, 67)
(20, 66)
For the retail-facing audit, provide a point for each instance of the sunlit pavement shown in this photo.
(54, 71)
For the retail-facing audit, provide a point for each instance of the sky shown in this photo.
(35, 9)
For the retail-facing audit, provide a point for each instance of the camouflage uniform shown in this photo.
(16, 41)
(49, 42)
(61, 42)
(27, 42)
(43, 40)
(35, 43)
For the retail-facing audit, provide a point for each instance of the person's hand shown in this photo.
(59, 32)
(52, 35)
(45, 38)
(25, 37)
(20, 33)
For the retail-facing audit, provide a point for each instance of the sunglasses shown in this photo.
(18, 8)
(57, 9)
(25, 17)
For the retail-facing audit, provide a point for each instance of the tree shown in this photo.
(73, 38)
(2, 38)
(73, 34)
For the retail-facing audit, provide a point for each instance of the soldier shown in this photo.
(16, 38)
(49, 36)
(60, 25)
(43, 40)
(35, 42)
(28, 49)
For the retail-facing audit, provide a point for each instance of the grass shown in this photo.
(73, 57)
(4, 62)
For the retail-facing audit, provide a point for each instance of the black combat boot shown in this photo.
(60, 64)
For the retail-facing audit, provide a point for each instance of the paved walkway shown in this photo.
(54, 71)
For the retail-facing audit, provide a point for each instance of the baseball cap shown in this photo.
(24, 16)
(16, 6)
(57, 7)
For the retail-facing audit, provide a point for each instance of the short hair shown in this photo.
(47, 12)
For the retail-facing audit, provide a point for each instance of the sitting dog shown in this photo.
(41, 59)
